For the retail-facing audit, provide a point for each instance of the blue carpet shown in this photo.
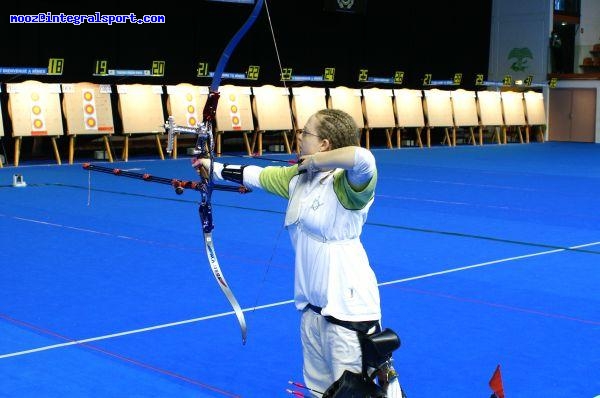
(486, 255)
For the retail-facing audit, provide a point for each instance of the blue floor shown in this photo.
(486, 256)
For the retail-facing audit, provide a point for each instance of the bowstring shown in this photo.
(275, 43)
(89, 190)
(270, 261)
(279, 63)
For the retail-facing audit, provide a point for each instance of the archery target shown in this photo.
(185, 103)
(34, 108)
(234, 113)
(88, 108)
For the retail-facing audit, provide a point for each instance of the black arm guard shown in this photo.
(233, 173)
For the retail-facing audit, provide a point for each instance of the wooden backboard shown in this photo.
(305, 102)
(513, 108)
(464, 108)
(141, 109)
(489, 106)
(534, 108)
(349, 101)
(438, 108)
(408, 104)
(378, 108)
(272, 108)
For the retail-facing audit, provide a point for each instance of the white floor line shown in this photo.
(503, 260)
(280, 303)
(135, 331)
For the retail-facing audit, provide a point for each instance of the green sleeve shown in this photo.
(277, 179)
(348, 197)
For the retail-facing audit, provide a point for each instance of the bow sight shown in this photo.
(204, 141)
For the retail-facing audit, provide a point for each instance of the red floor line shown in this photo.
(503, 306)
(119, 356)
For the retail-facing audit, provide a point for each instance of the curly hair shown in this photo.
(338, 127)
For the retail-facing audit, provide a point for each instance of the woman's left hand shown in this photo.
(202, 166)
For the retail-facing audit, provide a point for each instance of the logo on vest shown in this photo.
(316, 204)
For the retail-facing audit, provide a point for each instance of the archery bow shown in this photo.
(205, 149)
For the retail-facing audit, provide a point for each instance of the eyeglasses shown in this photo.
(305, 133)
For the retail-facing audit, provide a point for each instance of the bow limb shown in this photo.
(214, 86)
(216, 269)
(205, 146)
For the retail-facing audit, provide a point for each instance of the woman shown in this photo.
(330, 192)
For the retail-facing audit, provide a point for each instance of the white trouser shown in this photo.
(328, 350)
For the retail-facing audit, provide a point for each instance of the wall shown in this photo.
(588, 33)
(519, 39)
(416, 37)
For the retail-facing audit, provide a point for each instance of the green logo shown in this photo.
(521, 56)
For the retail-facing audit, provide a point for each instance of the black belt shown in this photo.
(360, 326)
(314, 308)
